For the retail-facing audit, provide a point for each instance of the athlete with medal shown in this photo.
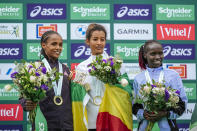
(96, 40)
(56, 107)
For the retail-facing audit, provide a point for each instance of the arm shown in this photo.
(176, 83)
(137, 109)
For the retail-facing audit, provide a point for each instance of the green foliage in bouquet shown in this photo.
(33, 81)
(106, 70)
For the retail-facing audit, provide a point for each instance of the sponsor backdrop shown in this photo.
(129, 23)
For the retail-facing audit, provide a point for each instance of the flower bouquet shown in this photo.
(32, 81)
(156, 97)
(107, 70)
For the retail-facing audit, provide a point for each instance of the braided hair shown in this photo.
(143, 49)
(44, 39)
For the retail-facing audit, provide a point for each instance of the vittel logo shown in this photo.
(132, 12)
(11, 112)
(175, 32)
(46, 11)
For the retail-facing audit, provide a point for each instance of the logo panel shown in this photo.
(11, 11)
(11, 127)
(78, 30)
(133, 31)
(33, 51)
(179, 51)
(82, 51)
(11, 112)
(187, 71)
(90, 12)
(132, 12)
(127, 51)
(46, 11)
(6, 94)
(190, 89)
(11, 51)
(37, 29)
(175, 32)
(11, 31)
(5, 70)
(175, 12)
(132, 69)
(188, 112)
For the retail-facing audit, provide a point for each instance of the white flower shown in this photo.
(44, 78)
(147, 89)
(124, 82)
(8, 87)
(155, 90)
(98, 66)
(37, 64)
(107, 68)
(32, 79)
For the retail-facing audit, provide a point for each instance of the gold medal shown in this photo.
(97, 100)
(55, 100)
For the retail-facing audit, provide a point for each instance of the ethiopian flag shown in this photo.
(193, 124)
(115, 113)
(79, 101)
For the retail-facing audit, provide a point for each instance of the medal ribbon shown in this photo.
(161, 77)
(57, 88)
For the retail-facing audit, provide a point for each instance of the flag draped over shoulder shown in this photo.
(115, 113)
(79, 101)
(193, 124)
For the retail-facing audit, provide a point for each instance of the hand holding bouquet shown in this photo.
(156, 97)
(33, 80)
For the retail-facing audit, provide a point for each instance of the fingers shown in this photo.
(29, 105)
(154, 116)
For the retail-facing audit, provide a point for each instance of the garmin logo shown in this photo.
(130, 11)
(46, 11)
(179, 51)
(133, 31)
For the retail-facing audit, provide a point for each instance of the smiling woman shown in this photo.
(56, 106)
(150, 61)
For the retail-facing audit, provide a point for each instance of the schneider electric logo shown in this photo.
(127, 51)
(11, 11)
(46, 11)
(90, 11)
(133, 12)
(33, 51)
(179, 51)
(175, 12)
